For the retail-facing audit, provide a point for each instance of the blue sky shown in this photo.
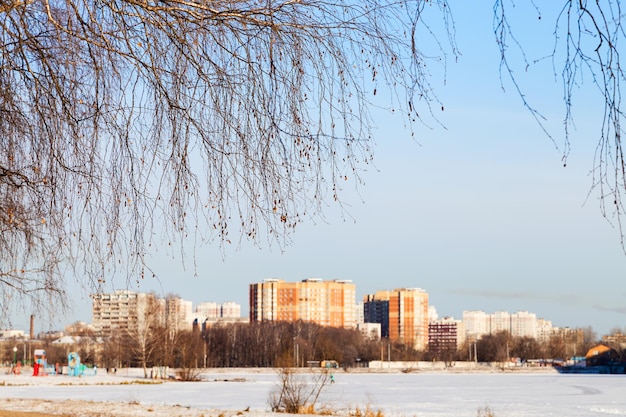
(480, 212)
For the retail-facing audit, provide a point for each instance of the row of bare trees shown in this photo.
(501, 346)
(283, 344)
(268, 344)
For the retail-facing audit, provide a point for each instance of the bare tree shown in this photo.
(187, 120)
(188, 356)
(495, 347)
(556, 348)
(125, 124)
(526, 347)
(585, 50)
(144, 335)
(116, 352)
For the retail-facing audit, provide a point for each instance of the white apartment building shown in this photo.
(12, 334)
(499, 321)
(432, 314)
(209, 310)
(178, 314)
(369, 330)
(209, 313)
(477, 323)
(230, 310)
(519, 324)
(524, 324)
(545, 330)
(359, 313)
(125, 310)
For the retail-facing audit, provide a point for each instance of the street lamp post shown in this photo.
(14, 355)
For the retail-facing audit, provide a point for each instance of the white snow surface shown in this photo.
(432, 394)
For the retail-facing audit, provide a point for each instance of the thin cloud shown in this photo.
(568, 299)
(519, 295)
(609, 309)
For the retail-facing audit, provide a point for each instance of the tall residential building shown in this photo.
(214, 311)
(522, 323)
(477, 323)
(178, 314)
(545, 330)
(377, 311)
(432, 314)
(209, 310)
(125, 311)
(406, 316)
(208, 314)
(328, 303)
(500, 321)
(230, 310)
(359, 313)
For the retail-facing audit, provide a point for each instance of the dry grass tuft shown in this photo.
(367, 412)
(485, 412)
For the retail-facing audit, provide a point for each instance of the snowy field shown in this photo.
(432, 394)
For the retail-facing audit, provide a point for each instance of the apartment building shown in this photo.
(402, 313)
(128, 311)
(209, 310)
(477, 323)
(230, 310)
(445, 336)
(210, 313)
(377, 311)
(178, 314)
(519, 324)
(524, 324)
(369, 330)
(500, 321)
(545, 330)
(328, 303)
(617, 340)
(125, 310)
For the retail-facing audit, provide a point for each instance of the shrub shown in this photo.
(297, 393)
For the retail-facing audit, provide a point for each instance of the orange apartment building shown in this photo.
(328, 303)
(407, 315)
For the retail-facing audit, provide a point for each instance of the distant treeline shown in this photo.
(278, 344)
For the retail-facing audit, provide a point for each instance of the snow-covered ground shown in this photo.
(432, 394)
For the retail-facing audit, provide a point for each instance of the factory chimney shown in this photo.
(32, 326)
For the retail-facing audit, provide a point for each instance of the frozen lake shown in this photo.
(436, 394)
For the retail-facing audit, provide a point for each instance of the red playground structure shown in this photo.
(39, 364)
